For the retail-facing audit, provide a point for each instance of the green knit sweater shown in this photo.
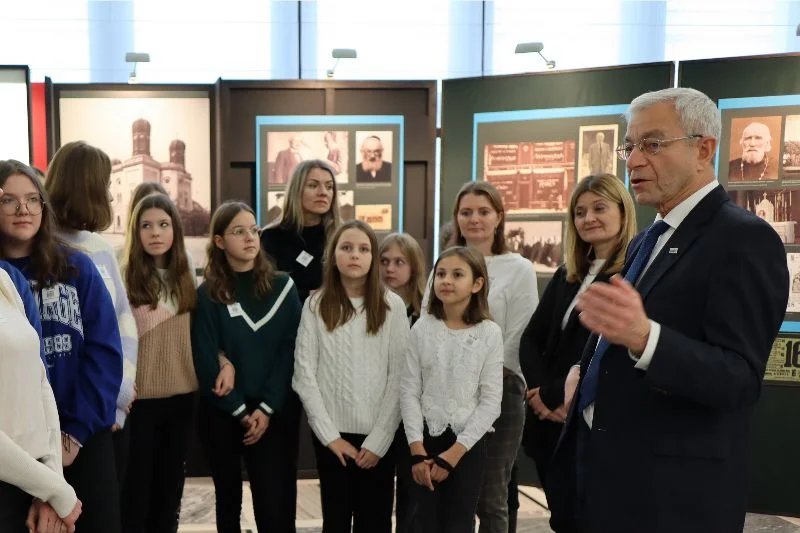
(256, 335)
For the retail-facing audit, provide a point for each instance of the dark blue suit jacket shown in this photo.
(667, 448)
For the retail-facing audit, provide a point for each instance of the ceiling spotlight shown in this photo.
(338, 54)
(135, 58)
(536, 47)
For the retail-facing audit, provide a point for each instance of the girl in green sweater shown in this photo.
(251, 313)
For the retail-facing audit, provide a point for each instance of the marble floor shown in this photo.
(197, 511)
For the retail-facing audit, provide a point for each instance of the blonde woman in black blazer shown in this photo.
(601, 223)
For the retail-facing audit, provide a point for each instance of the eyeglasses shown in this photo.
(11, 206)
(240, 232)
(649, 146)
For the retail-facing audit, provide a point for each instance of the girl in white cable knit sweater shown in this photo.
(30, 436)
(347, 363)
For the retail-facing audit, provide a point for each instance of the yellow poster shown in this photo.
(784, 360)
(378, 216)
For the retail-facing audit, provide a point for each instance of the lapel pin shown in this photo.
(673, 250)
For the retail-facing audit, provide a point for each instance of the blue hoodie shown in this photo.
(31, 311)
(82, 346)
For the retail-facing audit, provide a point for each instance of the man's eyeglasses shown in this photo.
(649, 146)
(11, 206)
(240, 232)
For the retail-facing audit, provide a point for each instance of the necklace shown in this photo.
(741, 168)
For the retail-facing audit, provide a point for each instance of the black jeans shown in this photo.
(159, 440)
(451, 507)
(292, 414)
(222, 435)
(353, 495)
(405, 504)
(93, 475)
(14, 506)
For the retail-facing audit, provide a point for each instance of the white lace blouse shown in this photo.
(452, 378)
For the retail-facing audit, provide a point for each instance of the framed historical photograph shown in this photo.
(791, 148)
(793, 260)
(365, 150)
(374, 157)
(780, 207)
(16, 134)
(159, 135)
(275, 212)
(285, 149)
(538, 241)
(755, 144)
(532, 177)
(596, 145)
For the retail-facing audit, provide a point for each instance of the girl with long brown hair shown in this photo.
(452, 386)
(81, 341)
(162, 292)
(347, 361)
(250, 312)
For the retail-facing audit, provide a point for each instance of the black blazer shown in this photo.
(667, 448)
(546, 352)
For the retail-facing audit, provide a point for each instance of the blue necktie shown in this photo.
(589, 383)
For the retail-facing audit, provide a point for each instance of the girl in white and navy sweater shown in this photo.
(347, 361)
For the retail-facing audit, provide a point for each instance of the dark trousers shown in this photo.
(122, 439)
(93, 475)
(405, 503)
(292, 414)
(450, 508)
(513, 500)
(354, 495)
(159, 440)
(14, 506)
(222, 435)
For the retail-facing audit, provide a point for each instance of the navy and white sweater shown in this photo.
(82, 346)
(28, 301)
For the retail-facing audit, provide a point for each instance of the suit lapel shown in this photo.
(681, 241)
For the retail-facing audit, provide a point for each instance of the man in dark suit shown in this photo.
(656, 436)
(373, 168)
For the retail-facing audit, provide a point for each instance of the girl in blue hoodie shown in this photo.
(81, 341)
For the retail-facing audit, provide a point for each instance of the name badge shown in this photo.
(50, 295)
(104, 272)
(304, 258)
(235, 309)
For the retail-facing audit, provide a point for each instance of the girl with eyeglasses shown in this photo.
(81, 339)
(250, 312)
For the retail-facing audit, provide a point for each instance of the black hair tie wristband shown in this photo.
(416, 459)
(444, 464)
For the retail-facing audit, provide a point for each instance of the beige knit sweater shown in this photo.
(165, 366)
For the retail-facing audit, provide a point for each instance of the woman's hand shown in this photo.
(226, 377)
(343, 449)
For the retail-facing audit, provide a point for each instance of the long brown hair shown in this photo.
(49, 254)
(335, 307)
(293, 217)
(220, 278)
(478, 308)
(77, 182)
(410, 249)
(145, 286)
(481, 188)
(579, 253)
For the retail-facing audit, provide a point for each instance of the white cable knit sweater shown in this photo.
(30, 437)
(349, 380)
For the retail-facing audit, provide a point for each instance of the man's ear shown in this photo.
(706, 150)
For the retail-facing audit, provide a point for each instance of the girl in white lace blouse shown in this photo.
(450, 393)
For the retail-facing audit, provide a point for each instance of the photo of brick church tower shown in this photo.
(172, 175)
